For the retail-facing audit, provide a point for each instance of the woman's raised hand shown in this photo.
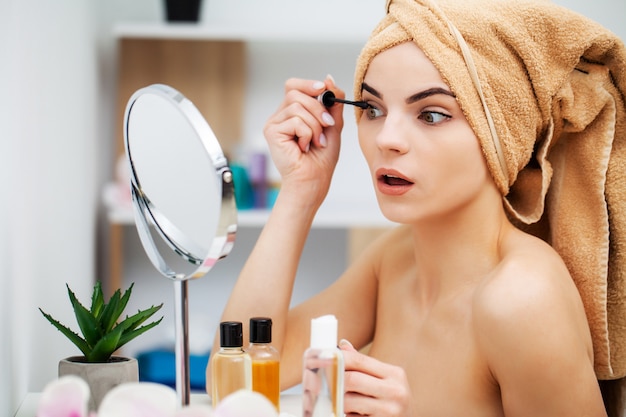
(304, 138)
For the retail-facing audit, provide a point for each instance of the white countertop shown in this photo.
(288, 404)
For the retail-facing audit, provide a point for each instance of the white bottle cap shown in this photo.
(324, 332)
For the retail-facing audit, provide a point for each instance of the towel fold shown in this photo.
(544, 89)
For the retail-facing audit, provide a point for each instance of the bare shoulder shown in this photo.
(531, 329)
(531, 277)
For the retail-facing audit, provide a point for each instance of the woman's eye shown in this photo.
(433, 117)
(372, 112)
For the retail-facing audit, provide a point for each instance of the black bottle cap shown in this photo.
(260, 330)
(327, 98)
(231, 334)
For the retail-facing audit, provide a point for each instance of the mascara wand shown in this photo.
(328, 98)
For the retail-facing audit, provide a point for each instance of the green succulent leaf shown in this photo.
(111, 313)
(105, 347)
(114, 309)
(125, 298)
(86, 321)
(130, 325)
(97, 301)
(73, 337)
(128, 336)
(134, 321)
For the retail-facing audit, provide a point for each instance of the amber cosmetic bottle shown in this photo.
(265, 360)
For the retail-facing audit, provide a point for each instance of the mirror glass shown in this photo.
(183, 196)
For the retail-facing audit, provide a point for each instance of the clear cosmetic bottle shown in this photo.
(322, 377)
(265, 360)
(231, 367)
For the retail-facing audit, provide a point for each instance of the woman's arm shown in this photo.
(304, 139)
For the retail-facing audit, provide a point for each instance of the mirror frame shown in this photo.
(143, 210)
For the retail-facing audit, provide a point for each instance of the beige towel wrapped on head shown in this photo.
(544, 89)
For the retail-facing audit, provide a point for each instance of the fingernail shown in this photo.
(308, 146)
(344, 342)
(318, 85)
(328, 119)
(323, 140)
(331, 78)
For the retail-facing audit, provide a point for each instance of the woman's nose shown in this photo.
(394, 136)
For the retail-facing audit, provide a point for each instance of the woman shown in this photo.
(465, 314)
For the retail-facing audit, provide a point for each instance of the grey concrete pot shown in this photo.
(101, 377)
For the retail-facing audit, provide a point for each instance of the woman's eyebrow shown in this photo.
(415, 97)
(371, 90)
(429, 92)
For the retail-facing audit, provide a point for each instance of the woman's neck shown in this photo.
(458, 248)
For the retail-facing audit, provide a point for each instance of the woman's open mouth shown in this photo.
(393, 180)
(392, 183)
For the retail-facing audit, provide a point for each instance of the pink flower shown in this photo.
(139, 399)
(68, 397)
(245, 403)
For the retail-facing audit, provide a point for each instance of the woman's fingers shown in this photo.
(373, 387)
(312, 88)
(313, 113)
(365, 375)
(302, 118)
(310, 120)
(306, 93)
(346, 345)
(355, 361)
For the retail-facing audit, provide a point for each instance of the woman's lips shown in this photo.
(391, 182)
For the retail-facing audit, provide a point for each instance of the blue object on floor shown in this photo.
(159, 366)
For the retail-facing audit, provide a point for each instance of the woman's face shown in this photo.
(424, 158)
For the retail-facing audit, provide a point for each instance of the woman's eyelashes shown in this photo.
(372, 112)
(430, 117)
(433, 117)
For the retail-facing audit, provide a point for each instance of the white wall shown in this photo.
(609, 13)
(48, 109)
(6, 380)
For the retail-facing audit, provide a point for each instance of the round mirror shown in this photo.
(182, 188)
(183, 198)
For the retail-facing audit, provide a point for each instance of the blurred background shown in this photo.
(67, 68)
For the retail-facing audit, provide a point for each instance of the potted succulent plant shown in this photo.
(103, 333)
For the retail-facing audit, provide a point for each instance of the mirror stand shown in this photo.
(181, 329)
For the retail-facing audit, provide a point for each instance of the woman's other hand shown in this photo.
(373, 388)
